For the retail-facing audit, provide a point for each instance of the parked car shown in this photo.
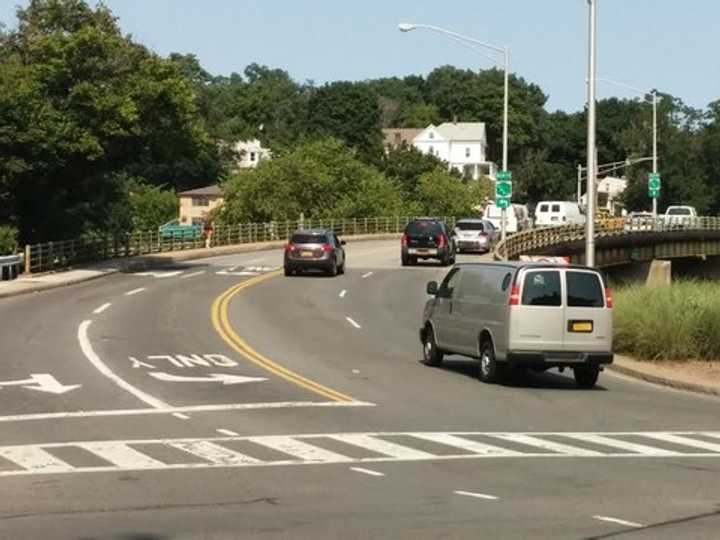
(314, 249)
(517, 217)
(475, 235)
(427, 238)
(679, 215)
(177, 231)
(521, 315)
(558, 213)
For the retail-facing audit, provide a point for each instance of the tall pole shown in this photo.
(503, 215)
(655, 155)
(579, 188)
(592, 74)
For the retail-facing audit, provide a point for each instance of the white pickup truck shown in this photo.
(679, 215)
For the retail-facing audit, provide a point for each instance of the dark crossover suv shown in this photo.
(427, 239)
(314, 249)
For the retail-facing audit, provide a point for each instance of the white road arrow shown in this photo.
(213, 377)
(42, 382)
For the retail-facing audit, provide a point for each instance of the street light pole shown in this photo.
(655, 155)
(505, 51)
(592, 73)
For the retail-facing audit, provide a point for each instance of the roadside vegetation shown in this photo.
(681, 322)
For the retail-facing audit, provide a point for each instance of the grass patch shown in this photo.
(680, 322)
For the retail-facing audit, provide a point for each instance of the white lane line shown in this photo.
(94, 359)
(342, 293)
(191, 409)
(619, 521)
(181, 416)
(186, 276)
(476, 495)
(228, 432)
(367, 275)
(367, 471)
(353, 323)
(102, 308)
(135, 291)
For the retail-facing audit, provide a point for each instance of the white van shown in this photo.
(517, 217)
(558, 213)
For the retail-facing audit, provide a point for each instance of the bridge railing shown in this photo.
(534, 240)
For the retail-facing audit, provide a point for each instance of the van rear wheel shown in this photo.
(586, 376)
(490, 371)
(432, 356)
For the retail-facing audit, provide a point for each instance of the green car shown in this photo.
(173, 230)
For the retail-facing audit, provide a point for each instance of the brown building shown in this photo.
(397, 137)
(196, 204)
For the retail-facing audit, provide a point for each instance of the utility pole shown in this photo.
(592, 171)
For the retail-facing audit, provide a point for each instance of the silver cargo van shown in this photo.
(519, 314)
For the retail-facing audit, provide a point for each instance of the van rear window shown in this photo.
(542, 289)
(555, 207)
(543, 208)
(584, 290)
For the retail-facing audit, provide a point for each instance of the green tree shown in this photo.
(8, 240)
(442, 194)
(406, 164)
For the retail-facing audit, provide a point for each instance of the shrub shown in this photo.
(8, 240)
(680, 322)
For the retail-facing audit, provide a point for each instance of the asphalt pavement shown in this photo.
(219, 399)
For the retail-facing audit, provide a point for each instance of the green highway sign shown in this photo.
(502, 202)
(504, 176)
(503, 187)
(654, 184)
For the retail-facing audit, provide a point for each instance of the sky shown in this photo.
(670, 45)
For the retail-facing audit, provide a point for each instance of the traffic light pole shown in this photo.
(655, 155)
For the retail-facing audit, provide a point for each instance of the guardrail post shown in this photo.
(28, 251)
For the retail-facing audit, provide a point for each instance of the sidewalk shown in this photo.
(39, 282)
(692, 375)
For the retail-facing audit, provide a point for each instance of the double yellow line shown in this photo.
(221, 323)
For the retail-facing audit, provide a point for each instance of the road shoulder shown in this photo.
(695, 376)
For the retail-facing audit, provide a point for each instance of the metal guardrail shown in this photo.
(532, 240)
(51, 256)
(11, 266)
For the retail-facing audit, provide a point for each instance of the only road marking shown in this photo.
(619, 521)
(102, 308)
(135, 291)
(476, 495)
(353, 323)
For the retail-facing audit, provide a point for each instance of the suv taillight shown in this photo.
(440, 239)
(327, 248)
(608, 298)
(404, 240)
(288, 247)
(514, 295)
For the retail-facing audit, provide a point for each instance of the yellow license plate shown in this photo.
(306, 254)
(582, 326)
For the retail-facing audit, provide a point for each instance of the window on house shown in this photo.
(252, 156)
(467, 152)
(431, 135)
(201, 200)
(431, 151)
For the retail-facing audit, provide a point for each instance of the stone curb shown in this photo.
(622, 367)
(158, 260)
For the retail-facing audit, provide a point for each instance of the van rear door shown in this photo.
(588, 319)
(537, 322)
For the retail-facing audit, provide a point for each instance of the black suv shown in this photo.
(427, 239)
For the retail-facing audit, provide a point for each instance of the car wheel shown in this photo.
(586, 376)
(341, 269)
(432, 356)
(489, 371)
(405, 261)
(333, 270)
(288, 271)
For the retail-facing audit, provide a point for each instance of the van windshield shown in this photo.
(584, 290)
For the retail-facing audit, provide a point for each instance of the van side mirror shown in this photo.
(342, 242)
(432, 288)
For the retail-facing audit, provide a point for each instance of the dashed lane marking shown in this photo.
(135, 291)
(181, 416)
(353, 323)
(306, 449)
(367, 275)
(367, 471)
(102, 308)
(193, 274)
(476, 495)
(342, 293)
(228, 432)
(618, 521)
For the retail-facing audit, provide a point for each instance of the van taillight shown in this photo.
(327, 248)
(440, 239)
(608, 298)
(404, 240)
(514, 295)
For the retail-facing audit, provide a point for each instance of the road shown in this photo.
(220, 399)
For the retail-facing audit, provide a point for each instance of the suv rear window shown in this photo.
(300, 238)
(470, 226)
(542, 289)
(422, 228)
(679, 212)
(584, 290)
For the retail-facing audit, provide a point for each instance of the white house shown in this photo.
(463, 145)
(251, 153)
(609, 190)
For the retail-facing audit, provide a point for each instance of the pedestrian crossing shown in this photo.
(306, 449)
(233, 271)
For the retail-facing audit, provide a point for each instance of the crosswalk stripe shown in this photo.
(466, 444)
(684, 441)
(300, 449)
(622, 445)
(547, 445)
(121, 455)
(34, 458)
(214, 453)
(383, 447)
